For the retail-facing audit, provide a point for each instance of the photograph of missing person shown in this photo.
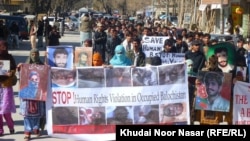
(145, 76)
(4, 66)
(173, 113)
(146, 114)
(62, 77)
(65, 115)
(60, 56)
(241, 73)
(120, 115)
(118, 77)
(172, 74)
(213, 92)
(92, 115)
(225, 52)
(34, 82)
(90, 77)
(83, 56)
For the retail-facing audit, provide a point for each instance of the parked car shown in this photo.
(108, 16)
(97, 15)
(224, 38)
(52, 19)
(22, 24)
(72, 22)
(172, 19)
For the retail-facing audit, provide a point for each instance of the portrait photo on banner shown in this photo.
(83, 56)
(89, 77)
(146, 114)
(34, 82)
(120, 115)
(60, 56)
(65, 115)
(4, 67)
(173, 113)
(118, 77)
(225, 53)
(213, 91)
(92, 116)
(145, 76)
(241, 73)
(62, 77)
(172, 74)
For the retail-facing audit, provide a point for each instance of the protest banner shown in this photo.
(4, 66)
(241, 106)
(61, 77)
(34, 82)
(90, 112)
(213, 93)
(83, 56)
(153, 45)
(226, 54)
(241, 73)
(60, 56)
(169, 58)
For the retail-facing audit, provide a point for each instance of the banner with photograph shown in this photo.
(241, 105)
(83, 56)
(241, 73)
(105, 97)
(60, 56)
(34, 82)
(213, 92)
(226, 53)
(4, 67)
(153, 45)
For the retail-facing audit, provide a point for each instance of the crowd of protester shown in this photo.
(118, 43)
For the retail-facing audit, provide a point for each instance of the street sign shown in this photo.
(187, 18)
(214, 2)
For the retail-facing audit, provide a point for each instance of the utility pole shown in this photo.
(153, 4)
(195, 7)
(222, 17)
(166, 2)
(167, 11)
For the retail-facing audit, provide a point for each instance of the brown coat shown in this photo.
(86, 24)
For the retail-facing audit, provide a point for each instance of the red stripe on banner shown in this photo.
(84, 129)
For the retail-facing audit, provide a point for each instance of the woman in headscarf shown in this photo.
(34, 57)
(97, 59)
(120, 58)
(36, 120)
(7, 104)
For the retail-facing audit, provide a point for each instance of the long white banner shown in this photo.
(87, 103)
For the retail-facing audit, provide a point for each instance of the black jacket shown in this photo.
(198, 59)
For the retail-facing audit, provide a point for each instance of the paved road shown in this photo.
(20, 55)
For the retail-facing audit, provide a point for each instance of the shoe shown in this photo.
(37, 132)
(12, 131)
(27, 138)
